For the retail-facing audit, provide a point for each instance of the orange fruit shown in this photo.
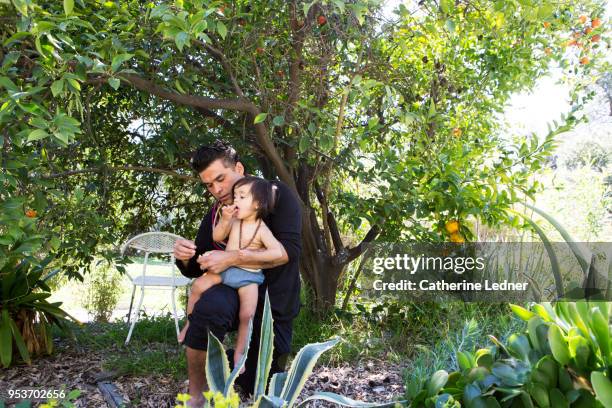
(584, 60)
(546, 24)
(596, 38)
(571, 42)
(582, 19)
(31, 213)
(456, 237)
(452, 227)
(321, 20)
(456, 132)
(596, 22)
(547, 51)
(588, 30)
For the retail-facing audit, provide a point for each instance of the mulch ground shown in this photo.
(372, 381)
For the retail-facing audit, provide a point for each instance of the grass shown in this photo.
(152, 349)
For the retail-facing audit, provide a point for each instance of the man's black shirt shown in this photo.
(282, 282)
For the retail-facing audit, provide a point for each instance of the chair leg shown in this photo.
(129, 316)
(136, 316)
(174, 310)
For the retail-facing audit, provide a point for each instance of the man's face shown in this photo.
(219, 178)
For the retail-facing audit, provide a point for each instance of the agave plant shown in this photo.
(284, 388)
(583, 255)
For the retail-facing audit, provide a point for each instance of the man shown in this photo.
(219, 168)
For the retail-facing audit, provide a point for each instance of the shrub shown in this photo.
(103, 291)
(26, 315)
(562, 360)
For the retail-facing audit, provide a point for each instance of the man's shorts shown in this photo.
(235, 277)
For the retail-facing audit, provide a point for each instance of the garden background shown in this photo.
(389, 119)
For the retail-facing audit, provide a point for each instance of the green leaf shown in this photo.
(57, 87)
(114, 83)
(521, 312)
(277, 383)
(23, 350)
(450, 25)
(266, 348)
(347, 402)
(6, 339)
(518, 346)
(532, 327)
(260, 118)
(373, 122)
(599, 324)
(301, 367)
(221, 29)
(21, 6)
(118, 60)
(16, 37)
(558, 345)
(557, 399)
(68, 7)
(545, 11)
(229, 384)
(554, 262)
(602, 387)
(437, 382)
(217, 366)
(464, 362)
(304, 144)
(582, 254)
(278, 121)
(37, 135)
(181, 39)
(445, 5)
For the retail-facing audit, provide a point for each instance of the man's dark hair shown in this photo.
(205, 155)
(263, 192)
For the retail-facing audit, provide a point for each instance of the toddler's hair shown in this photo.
(263, 193)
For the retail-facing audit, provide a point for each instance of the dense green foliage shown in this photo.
(386, 127)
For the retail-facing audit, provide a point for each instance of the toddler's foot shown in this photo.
(181, 336)
(237, 357)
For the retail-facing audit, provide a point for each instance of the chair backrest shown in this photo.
(152, 242)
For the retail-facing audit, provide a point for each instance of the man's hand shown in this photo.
(184, 249)
(216, 261)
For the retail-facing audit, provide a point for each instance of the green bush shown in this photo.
(26, 315)
(562, 360)
(103, 291)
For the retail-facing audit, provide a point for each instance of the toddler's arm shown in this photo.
(224, 226)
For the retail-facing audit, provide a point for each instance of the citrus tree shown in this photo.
(384, 123)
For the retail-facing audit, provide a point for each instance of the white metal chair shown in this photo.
(153, 243)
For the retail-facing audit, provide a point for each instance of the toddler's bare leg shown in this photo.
(199, 286)
(248, 303)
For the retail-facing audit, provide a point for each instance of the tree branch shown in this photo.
(117, 169)
(219, 56)
(357, 250)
